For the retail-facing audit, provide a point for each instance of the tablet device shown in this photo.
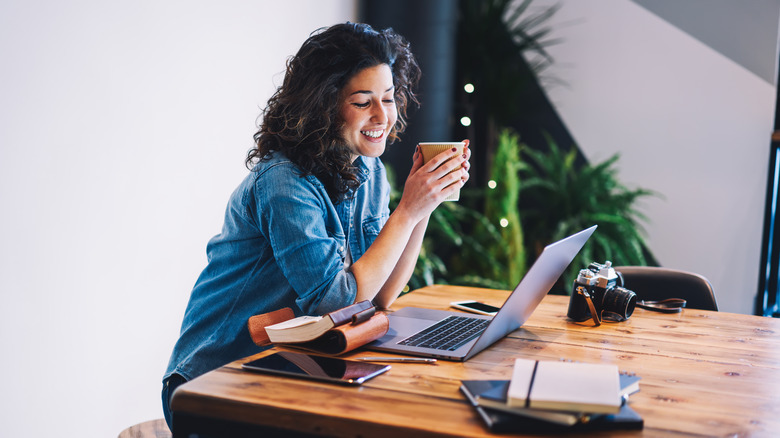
(329, 369)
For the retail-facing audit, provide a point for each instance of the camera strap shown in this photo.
(595, 315)
(670, 305)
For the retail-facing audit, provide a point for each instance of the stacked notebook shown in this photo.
(550, 396)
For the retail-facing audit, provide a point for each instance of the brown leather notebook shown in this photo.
(358, 326)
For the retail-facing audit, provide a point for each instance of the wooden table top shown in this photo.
(703, 373)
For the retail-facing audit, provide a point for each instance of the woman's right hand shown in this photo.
(430, 183)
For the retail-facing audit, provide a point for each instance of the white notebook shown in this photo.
(565, 386)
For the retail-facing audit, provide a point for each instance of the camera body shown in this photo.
(598, 294)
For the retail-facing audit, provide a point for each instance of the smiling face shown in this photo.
(368, 111)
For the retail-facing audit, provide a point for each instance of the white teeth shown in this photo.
(373, 134)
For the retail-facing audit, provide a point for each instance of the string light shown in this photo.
(469, 88)
(503, 222)
(465, 121)
(492, 184)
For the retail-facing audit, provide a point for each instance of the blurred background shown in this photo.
(124, 127)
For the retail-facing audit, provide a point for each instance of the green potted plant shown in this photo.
(559, 197)
(501, 199)
(536, 195)
(459, 245)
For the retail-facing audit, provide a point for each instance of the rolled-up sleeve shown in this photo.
(333, 298)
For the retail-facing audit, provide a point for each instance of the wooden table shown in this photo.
(703, 373)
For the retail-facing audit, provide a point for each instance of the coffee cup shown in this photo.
(431, 149)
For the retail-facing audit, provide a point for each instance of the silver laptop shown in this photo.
(423, 332)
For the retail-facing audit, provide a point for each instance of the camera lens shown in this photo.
(619, 302)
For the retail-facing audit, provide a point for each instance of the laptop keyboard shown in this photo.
(447, 334)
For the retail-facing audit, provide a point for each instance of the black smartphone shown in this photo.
(475, 307)
(329, 369)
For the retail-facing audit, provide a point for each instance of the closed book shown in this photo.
(307, 328)
(499, 418)
(629, 384)
(345, 337)
(335, 333)
(565, 386)
(492, 394)
(497, 421)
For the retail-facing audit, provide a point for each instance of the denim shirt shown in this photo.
(283, 244)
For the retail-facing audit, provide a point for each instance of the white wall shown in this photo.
(688, 123)
(123, 129)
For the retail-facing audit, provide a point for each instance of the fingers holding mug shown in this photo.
(448, 158)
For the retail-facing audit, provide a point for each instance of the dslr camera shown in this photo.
(598, 294)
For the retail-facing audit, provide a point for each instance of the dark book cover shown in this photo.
(487, 397)
(492, 394)
(503, 422)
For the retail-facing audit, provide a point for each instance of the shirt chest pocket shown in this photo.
(371, 229)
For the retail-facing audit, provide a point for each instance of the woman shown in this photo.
(309, 228)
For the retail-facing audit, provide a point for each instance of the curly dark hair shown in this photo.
(302, 117)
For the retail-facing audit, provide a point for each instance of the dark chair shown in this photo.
(654, 283)
(149, 429)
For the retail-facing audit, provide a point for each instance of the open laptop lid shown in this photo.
(532, 289)
(515, 311)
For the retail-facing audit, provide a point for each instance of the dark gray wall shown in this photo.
(429, 26)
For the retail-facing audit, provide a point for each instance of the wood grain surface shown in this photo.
(703, 373)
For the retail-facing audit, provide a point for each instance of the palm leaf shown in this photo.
(559, 198)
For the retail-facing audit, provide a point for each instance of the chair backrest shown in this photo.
(654, 283)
